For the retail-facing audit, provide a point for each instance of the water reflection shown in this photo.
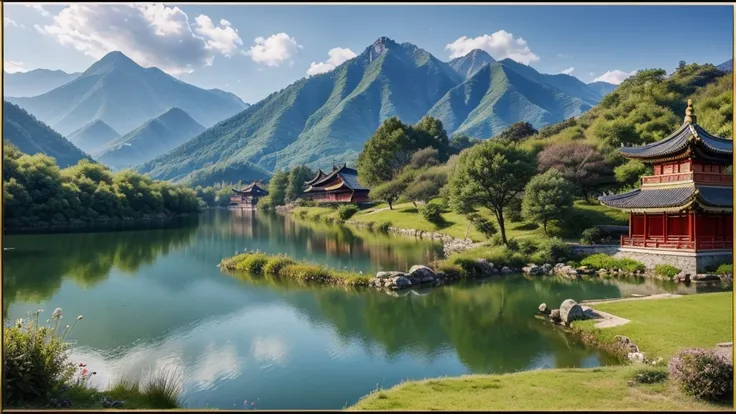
(155, 300)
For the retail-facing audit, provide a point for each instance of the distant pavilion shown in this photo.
(248, 196)
(683, 214)
(340, 185)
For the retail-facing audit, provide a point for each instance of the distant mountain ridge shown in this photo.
(93, 136)
(603, 88)
(32, 136)
(34, 82)
(124, 95)
(726, 66)
(330, 116)
(153, 138)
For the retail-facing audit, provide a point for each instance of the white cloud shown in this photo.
(337, 56)
(150, 34)
(13, 66)
(500, 45)
(614, 76)
(568, 70)
(39, 8)
(12, 23)
(274, 50)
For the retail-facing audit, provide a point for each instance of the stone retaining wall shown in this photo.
(692, 263)
(609, 249)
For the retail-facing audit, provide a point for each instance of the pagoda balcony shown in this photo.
(705, 178)
(678, 243)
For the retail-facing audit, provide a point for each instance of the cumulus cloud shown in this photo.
(39, 8)
(12, 23)
(614, 76)
(336, 57)
(500, 45)
(13, 66)
(150, 34)
(274, 50)
(569, 70)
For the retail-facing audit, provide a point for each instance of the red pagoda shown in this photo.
(341, 186)
(248, 196)
(685, 208)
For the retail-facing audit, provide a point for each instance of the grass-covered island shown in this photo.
(661, 327)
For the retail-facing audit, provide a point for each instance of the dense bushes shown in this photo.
(36, 191)
(594, 235)
(433, 214)
(604, 261)
(666, 270)
(703, 374)
(725, 269)
(347, 211)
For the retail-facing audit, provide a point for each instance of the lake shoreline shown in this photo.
(128, 223)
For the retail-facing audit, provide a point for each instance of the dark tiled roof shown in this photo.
(669, 197)
(678, 142)
(319, 176)
(252, 188)
(348, 175)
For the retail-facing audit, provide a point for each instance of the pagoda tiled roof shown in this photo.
(668, 198)
(688, 134)
(252, 188)
(320, 174)
(349, 177)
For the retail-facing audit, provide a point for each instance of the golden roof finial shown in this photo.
(690, 117)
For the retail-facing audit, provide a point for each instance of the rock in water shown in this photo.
(555, 315)
(389, 275)
(401, 282)
(571, 311)
(543, 309)
(420, 271)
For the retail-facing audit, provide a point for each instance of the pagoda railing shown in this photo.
(678, 242)
(697, 177)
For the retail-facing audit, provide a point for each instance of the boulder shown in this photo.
(420, 271)
(505, 269)
(532, 270)
(544, 309)
(555, 315)
(547, 268)
(636, 357)
(622, 339)
(389, 275)
(485, 266)
(401, 282)
(570, 311)
(427, 279)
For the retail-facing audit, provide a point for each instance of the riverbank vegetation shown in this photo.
(37, 373)
(36, 192)
(659, 326)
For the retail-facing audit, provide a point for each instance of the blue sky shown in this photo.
(253, 51)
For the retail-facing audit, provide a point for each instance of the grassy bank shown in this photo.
(660, 327)
(285, 268)
(407, 216)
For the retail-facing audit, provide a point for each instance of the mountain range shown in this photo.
(34, 82)
(93, 136)
(153, 138)
(32, 136)
(124, 95)
(726, 66)
(328, 117)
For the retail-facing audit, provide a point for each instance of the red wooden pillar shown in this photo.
(690, 222)
(664, 226)
(631, 223)
(695, 231)
(646, 228)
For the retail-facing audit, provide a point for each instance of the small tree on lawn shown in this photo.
(490, 174)
(390, 191)
(547, 197)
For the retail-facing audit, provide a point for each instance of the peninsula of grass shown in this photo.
(660, 327)
(283, 267)
(408, 216)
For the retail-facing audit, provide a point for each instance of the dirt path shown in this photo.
(377, 211)
(659, 296)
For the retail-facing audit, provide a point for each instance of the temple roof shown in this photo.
(319, 176)
(348, 176)
(664, 199)
(252, 188)
(689, 136)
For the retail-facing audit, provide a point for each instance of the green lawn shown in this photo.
(553, 389)
(407, 216)
(662, 327)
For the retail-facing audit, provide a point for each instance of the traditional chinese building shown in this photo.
(248, 196)
(341, 185)
(683, 213)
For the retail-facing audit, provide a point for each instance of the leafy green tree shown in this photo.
(517, 133)
(459, 142)
(390, 191)
(277, 188)
(581, 164)
(427, 157)
(547, 197)
(490, 175)
(297, 177)
(630, 173)
(429, 132)
(426, 185)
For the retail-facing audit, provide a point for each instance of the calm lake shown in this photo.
(155, 299)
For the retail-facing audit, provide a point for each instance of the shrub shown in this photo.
(302, 214)
(303, 202)
(347, 211)
(703, 374)
(383, 226)
(329, 219)
(594, 235)
(369, 225)
(433, 214)
(666, 270)
(725, 269)
(35, 362)
(552, 250)
(454, 271)
(604, 261)
(253, 263)
(527, 247)
(496, 240)
(650, 376)
(275, 264)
